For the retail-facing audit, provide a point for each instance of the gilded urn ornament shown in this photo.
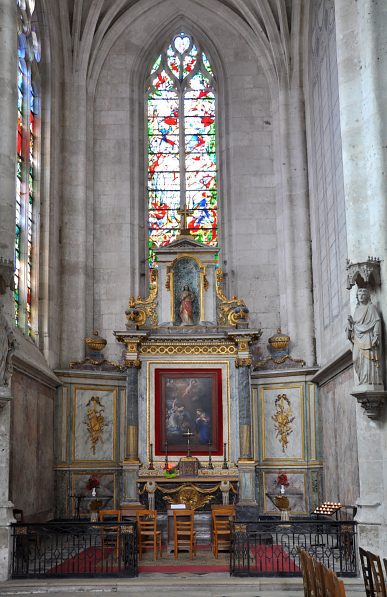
(95, 342)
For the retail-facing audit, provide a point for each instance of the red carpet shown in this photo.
(271, 558)
(88, 560)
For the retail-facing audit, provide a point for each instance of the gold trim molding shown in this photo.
(151, 347)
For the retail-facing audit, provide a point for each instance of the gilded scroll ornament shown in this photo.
(141, 311)
(230, 311)
(283, 418)
(95, 421)
(190, 495)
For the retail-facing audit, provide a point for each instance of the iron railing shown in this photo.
(74, 548)
(271, 548)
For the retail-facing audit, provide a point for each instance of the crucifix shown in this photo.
(188, 434)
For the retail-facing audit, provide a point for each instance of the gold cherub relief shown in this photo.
(95, 421)
(283, 418)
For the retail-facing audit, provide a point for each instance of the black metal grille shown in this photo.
(271, 548)
(60, 549)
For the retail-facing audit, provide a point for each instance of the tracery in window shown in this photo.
(182, 172)
(27, 162)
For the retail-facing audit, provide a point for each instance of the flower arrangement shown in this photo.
(171, 470)
(92, 483)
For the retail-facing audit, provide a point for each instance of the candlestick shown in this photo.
(166, 455)
(225, 465)
(210, 465)
(151, 467)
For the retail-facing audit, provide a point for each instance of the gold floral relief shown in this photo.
(95, 421)
(283, 418)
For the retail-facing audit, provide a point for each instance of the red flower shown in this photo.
(92, 483)
(282, 479)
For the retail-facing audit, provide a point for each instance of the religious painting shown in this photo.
(188, 407)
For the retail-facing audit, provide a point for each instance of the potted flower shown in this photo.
(92, 484)
(171, 470)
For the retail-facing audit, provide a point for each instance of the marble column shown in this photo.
(244, 395)
(246, 464)
(8, 111)
(131, 463)
(362, 75)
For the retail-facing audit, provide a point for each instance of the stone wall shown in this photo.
(327, 206)
(32, 457)
(337, 413)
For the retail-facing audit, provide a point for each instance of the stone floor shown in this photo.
(173, 585)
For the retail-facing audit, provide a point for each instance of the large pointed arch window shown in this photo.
(28, 113)
(182, 174)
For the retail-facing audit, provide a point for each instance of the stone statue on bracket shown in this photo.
(364, 333)
(7, 348)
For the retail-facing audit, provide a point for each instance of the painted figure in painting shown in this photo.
(186, 304)
(364, 331)
(203, 426)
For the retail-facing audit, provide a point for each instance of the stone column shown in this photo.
(362, 76)
(293, 221)
(73, 229)
(8, 111)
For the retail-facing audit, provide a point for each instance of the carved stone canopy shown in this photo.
(6, 275)
(372, 401)
(366, 274)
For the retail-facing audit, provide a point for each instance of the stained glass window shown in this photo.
(26, 162)
(182, 173)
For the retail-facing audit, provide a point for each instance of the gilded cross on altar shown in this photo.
(188, 435)
(184, 212)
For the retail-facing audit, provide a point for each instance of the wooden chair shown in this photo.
(333, 586)
(307, 573)
(367, 574)
(110, 534)
(221, 528)
(147, 533)
(377, 575)
(184, 534)
(319, 575)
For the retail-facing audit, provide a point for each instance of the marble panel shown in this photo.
(105, 493)
(94, 424)
(296, 492)
(282, 420)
